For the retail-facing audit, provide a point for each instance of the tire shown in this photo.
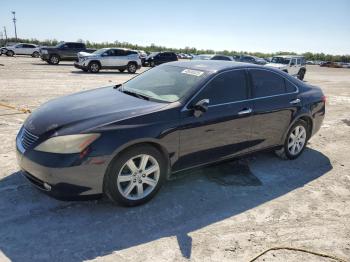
(10, 53)
(94, 67)
(128, 188)
(36, 54)
(54, 60)
(301, 75)
(121, 70)
(152, 64)
(132, 67)
(291, 143)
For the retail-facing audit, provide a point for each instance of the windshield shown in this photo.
(153, 54)
(280, 60)
(100, 51)
(59, 45)
(202, 57)
(165, 83)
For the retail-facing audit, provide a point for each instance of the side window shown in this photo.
(266, 83)
(226, 87)
(110, 52)
(120, 52)
(290, 88)
(293, 62)
(19, 46)
(298, 61)
(131, 53)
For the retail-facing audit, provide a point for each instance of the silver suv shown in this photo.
(109, 58)
(292, 64)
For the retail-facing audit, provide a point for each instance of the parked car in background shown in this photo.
(203, 57)
(21, 49)
(222, 57)
(64, 51)
(126, 140)
(160, 58)
(330, 64)
(291, 64)
(251, 59)
(142, 55)
(109, 58)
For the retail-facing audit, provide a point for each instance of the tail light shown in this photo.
(324, 99)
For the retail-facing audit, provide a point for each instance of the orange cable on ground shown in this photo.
(23, 110)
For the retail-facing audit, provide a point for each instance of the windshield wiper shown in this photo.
(133, 94)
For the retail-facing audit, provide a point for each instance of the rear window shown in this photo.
(267, 83)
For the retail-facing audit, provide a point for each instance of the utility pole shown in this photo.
(14, 23)
(5, 34)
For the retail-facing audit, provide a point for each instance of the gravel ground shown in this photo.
(228, 212)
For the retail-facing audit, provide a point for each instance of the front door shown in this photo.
(225, 129)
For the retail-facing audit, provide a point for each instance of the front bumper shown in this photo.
(44, 57)
(80, 65)
(62, 178)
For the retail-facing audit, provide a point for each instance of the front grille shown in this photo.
(28, 139)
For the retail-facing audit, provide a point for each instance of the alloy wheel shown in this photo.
(296, 140)
(138, 177)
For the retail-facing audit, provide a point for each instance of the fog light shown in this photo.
(47, 186)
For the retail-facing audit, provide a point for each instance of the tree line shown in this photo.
(186, 50)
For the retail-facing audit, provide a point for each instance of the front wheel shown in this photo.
(134, 177)
(152, 64)
(295, 141)
(94, 67)
(54, 60)
(10, 53)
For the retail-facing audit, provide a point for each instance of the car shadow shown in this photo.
(38, 227)
(80, 72)
(46, 64)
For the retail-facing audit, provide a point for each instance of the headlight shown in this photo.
(69, 144)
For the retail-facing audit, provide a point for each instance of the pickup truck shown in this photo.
(64, 51)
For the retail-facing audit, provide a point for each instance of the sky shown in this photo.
(249, 25)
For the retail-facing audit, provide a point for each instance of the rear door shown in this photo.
(275, 102)
(293, 69)
(28, 49)
(225, 129)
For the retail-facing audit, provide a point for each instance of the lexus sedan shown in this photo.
(124, 141)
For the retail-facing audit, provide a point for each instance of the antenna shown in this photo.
(14, 23)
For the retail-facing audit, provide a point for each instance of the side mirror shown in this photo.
(201, 107)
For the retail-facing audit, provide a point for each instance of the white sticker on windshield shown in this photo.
(192, 72)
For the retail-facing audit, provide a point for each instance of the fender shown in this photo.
(302, 113)
(170, 157)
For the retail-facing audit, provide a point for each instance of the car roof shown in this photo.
(212, 65)
(288, 56)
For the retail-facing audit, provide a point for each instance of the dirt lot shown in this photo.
(230, 212)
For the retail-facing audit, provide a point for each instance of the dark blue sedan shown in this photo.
(126, 140)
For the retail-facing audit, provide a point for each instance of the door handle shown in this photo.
(245, 111)
(295, 101)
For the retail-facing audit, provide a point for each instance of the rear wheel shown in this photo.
(301, 74)
(135, 176)
(94, 67)
(295, 141)
(54, 60)
(10, 53)
(132, 67)
(36, 54)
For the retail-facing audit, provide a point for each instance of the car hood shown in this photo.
(86, 54)
(87, 110)
(276, 65)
